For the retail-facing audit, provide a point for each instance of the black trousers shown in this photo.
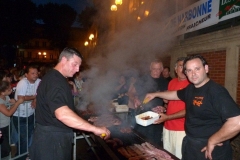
(191, 150)
(51, 143)
(5, 147)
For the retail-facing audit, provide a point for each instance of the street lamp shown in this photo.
(113, 7)
(44, 54)
(91, 37)
(118, 2)
(86, 43)
(146, 13)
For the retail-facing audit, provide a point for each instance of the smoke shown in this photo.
(125, 46)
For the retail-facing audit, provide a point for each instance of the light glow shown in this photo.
(113, 7)
(118, 2)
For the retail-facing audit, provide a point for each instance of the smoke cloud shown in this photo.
(126, 47)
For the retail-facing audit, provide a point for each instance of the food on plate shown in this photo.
(146, 117)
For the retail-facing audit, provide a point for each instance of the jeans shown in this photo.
(25, 131)
(14, 134)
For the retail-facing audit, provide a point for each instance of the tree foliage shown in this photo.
(17, 20)
(86, 17)
(57, 20)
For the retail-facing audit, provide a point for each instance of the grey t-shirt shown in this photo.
(4, 120)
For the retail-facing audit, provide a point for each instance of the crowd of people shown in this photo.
(18, 102)
(193, 109)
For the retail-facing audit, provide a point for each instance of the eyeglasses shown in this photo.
(195, 70)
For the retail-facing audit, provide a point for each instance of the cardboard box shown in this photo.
(139, 118)
(121, 108)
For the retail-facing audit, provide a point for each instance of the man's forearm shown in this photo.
(28, 98)
(177, 115)
(71, 119)
(230, 128)
(168, 95)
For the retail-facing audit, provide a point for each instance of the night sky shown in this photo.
(78, 5)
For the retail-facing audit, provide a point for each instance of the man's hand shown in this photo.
(12, 101)
(159, 109)
(102, 132)
(149, 97)
(208, 150)
(137, 102)
(33, 103)
(162, 118)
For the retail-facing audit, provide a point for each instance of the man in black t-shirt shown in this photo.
(212, 116)
(152, 82)
(55, 116)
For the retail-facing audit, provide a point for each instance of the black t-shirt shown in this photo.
(147, 84)
(52, 93)
(207, 108)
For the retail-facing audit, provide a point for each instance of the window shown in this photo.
(29, 54)
(37, 43)
(44, 44)
(21, 54)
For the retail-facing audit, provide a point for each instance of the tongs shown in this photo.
(141, 106)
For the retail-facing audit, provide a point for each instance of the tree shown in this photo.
(57, 20)
(86, 17)
(17, 19)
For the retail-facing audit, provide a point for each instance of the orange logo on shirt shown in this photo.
(198, 101)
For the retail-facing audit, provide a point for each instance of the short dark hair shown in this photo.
(4, 86)
(68, 52)
(179, 60)
(166, 67)
(30, 66)
(188, 58)
(3, 74)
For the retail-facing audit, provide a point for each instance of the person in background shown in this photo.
(166, 73)
(173, 130)
(7, 108)
(79, 81)
(3, 75)
(55, 112)
(73, 86)
(121, 90)
(152, 82)
(212, 116)
(18, 75)
(131, 98)
(24, 116)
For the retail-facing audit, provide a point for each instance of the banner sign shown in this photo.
(202, 14)
(229, 9)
